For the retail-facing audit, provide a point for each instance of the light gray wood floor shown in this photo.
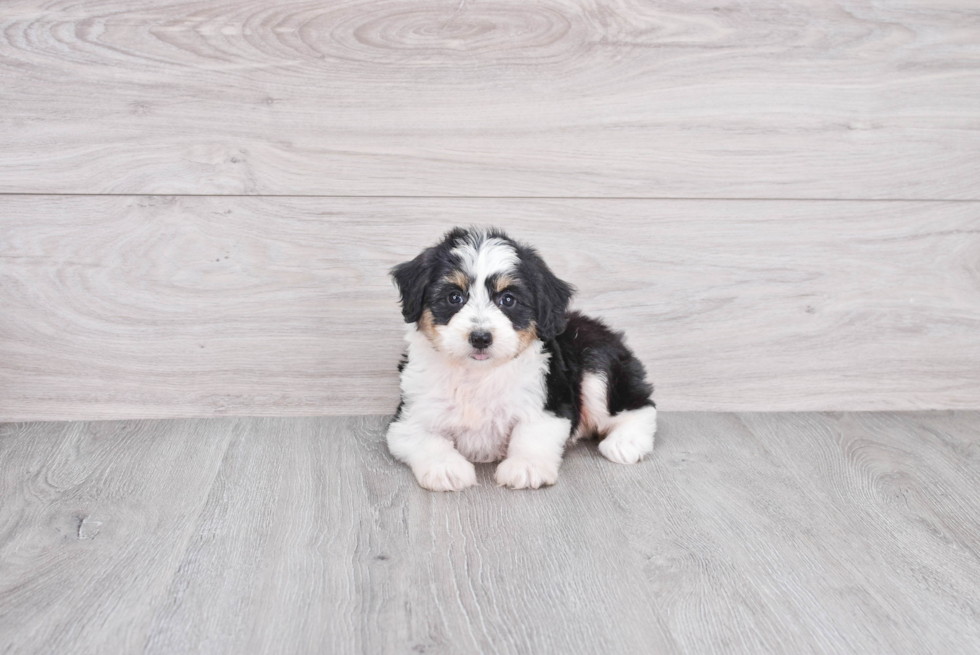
(743, 533)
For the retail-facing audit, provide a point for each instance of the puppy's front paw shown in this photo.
(524, 473)
(448, 473)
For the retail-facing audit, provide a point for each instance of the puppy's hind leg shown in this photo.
(630, 436)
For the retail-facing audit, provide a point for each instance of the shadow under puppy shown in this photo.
(497, 368)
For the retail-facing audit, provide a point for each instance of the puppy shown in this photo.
(497, 368)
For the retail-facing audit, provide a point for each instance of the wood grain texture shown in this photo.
(342, 552)
(719, 98)
(743, 533)
(94, 519)
(167, 307)
(851, 524)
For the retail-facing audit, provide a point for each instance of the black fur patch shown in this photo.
(437, 300)
(412, 278)
(402, 363)
(425, 282)
(588, 346)
(551, 295)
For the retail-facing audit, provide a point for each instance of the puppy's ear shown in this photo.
(412, 278)
(551, 295)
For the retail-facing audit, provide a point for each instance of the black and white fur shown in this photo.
(497, 368)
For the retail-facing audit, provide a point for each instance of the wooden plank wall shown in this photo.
(199, 201)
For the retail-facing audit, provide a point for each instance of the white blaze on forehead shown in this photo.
(482, 257)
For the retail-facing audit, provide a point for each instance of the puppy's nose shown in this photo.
(481, 340)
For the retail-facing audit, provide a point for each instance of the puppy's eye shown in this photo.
(507, 300)
(455, 298)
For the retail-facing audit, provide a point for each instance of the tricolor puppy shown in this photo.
(497, 368)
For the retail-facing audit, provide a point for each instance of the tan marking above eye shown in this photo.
(459, 279)
(503, 282)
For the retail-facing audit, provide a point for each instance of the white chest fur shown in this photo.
(475, 405)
